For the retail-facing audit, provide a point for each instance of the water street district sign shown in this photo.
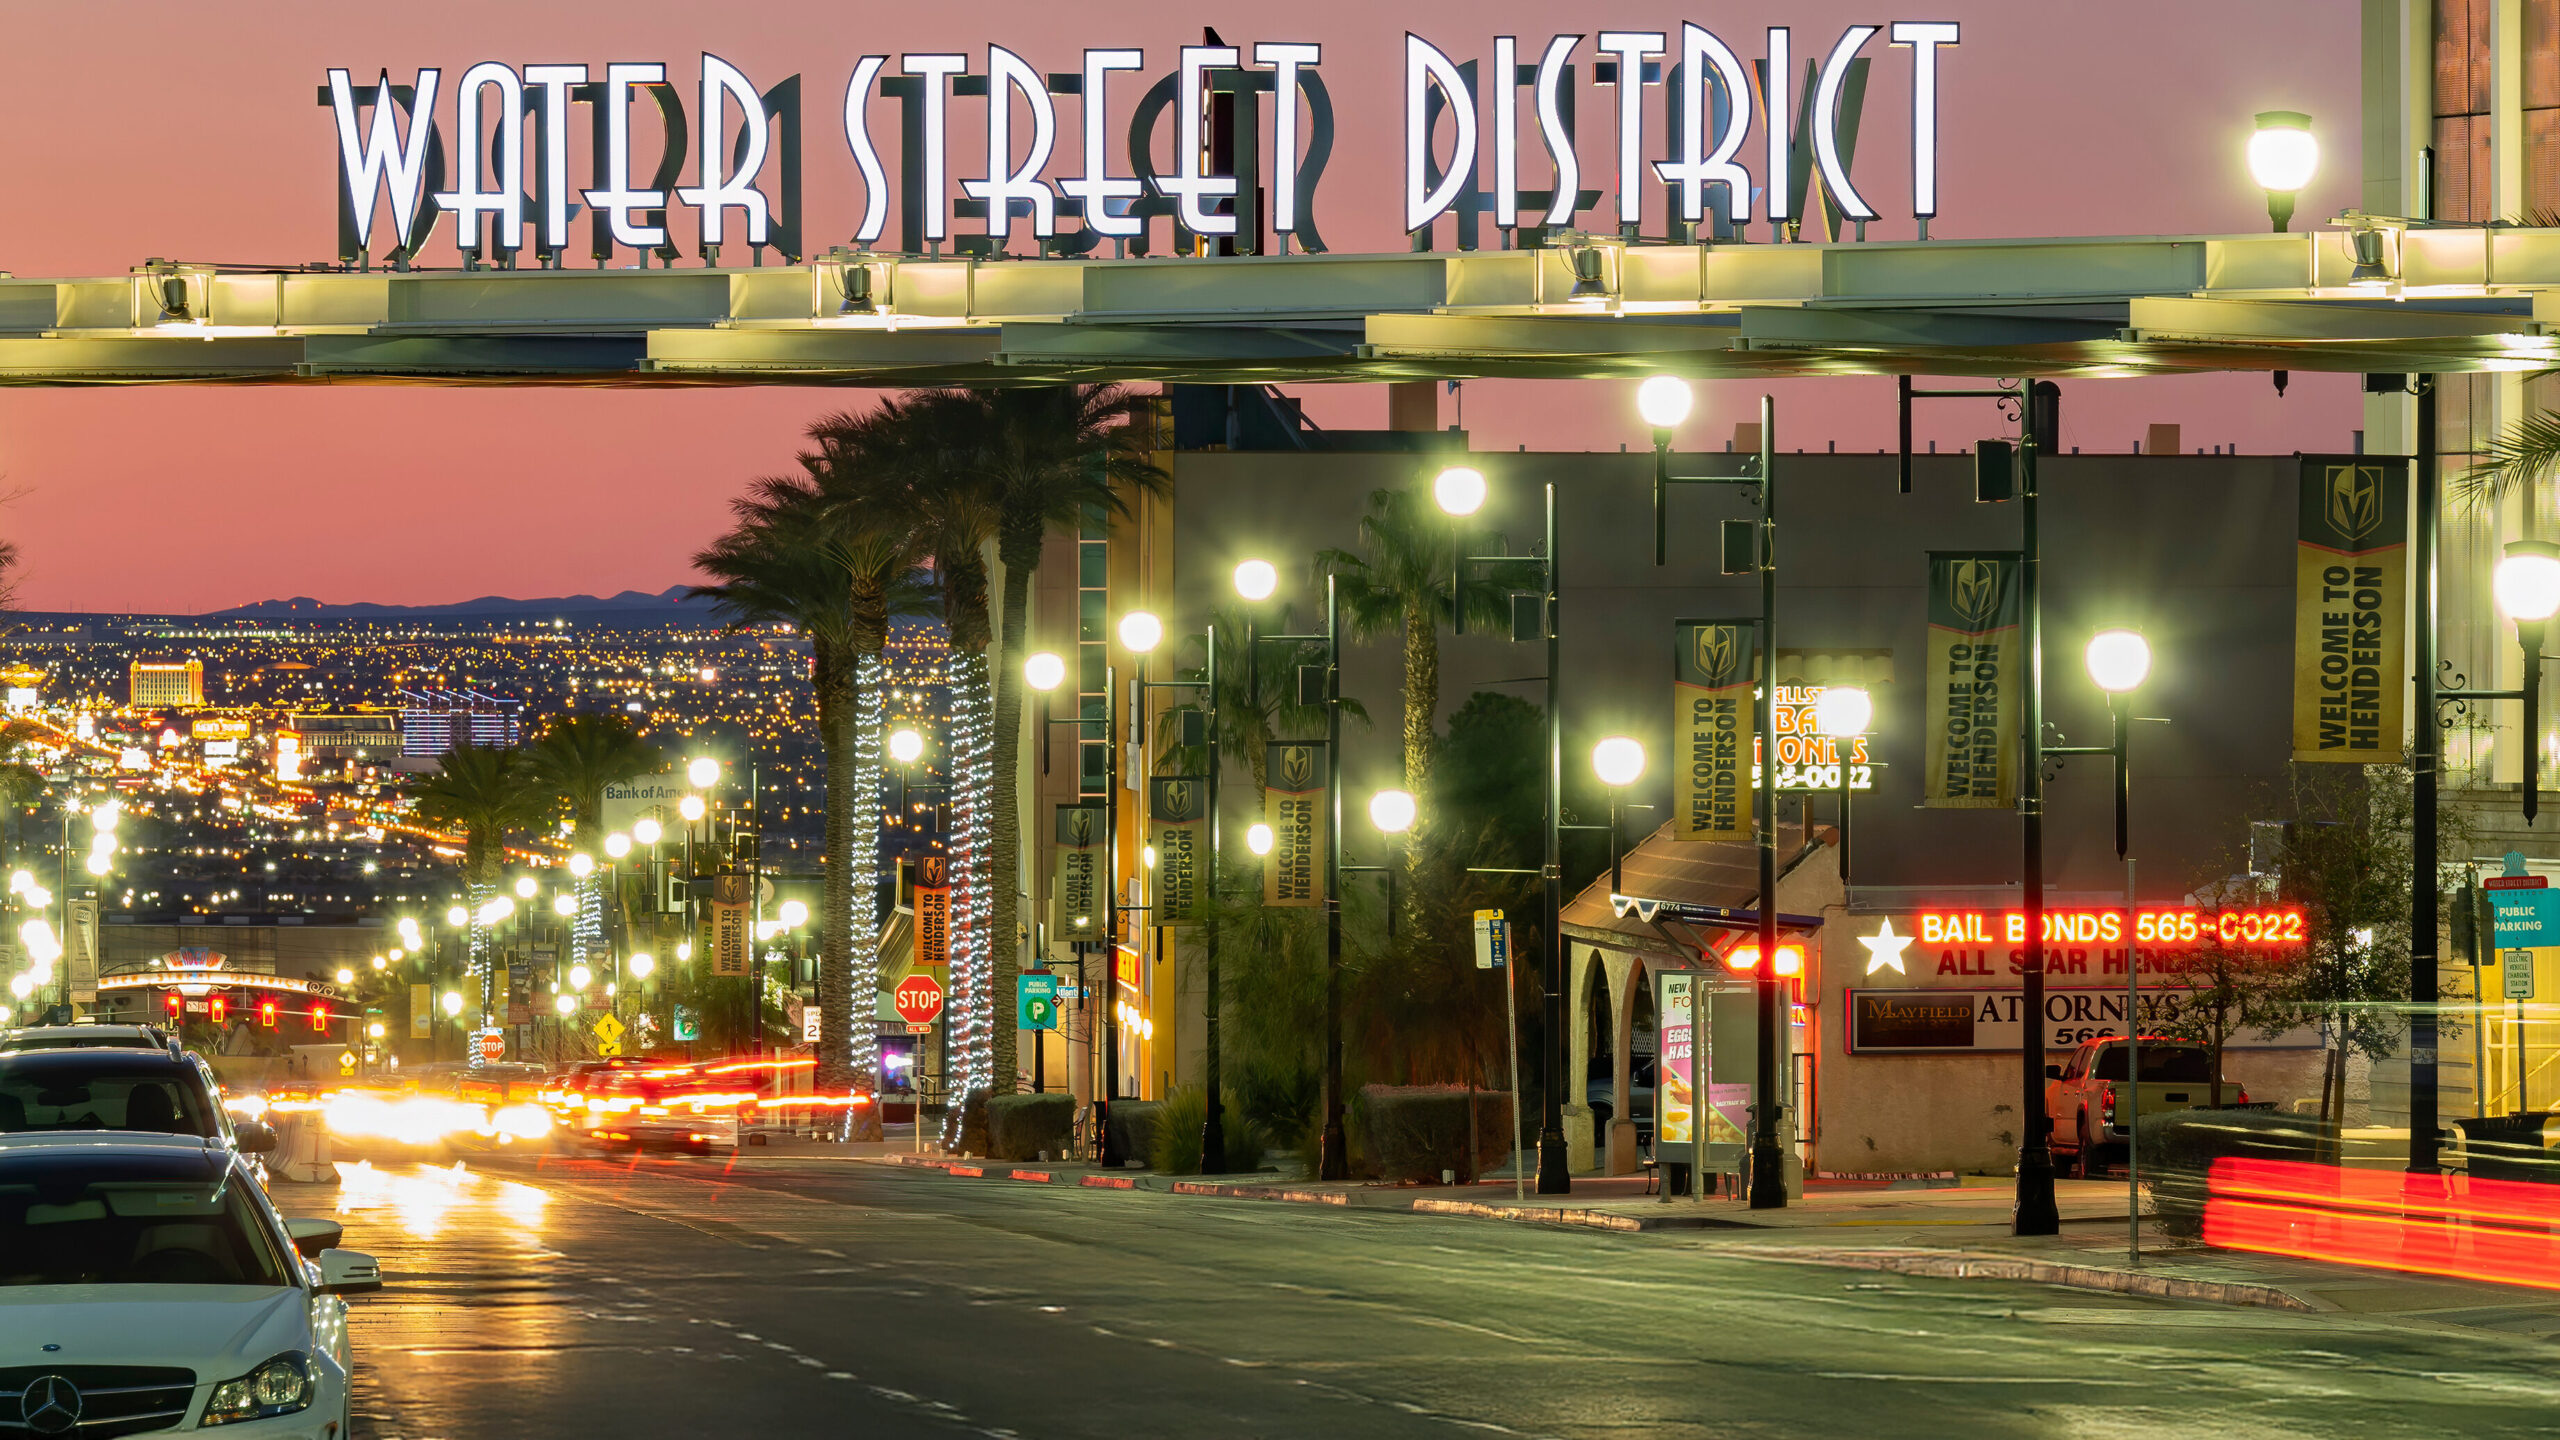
(2525, 918)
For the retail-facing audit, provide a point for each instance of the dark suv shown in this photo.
(117, 1089)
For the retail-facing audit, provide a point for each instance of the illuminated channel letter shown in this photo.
(1631, 46)
(1424, 64)
(1097, 187)
(1286, 59)
(866, 156)
(1191, 188)
(1924, 37)
(554, 82)
(1551, 129)
(621, 202)
(937, 89)
(1826, 123)
(719, 191)
(1781, 127)
(379, 159)
(1698, 167)
(1007, 74)
(1506, 130)
(474, 159)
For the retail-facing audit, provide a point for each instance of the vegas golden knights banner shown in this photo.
(1294, 807)
(1176, 819)
(1712, 725)
(2350, 642)
(1976, 680)
(1079, 886)
(933, 911)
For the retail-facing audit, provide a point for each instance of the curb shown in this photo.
(1966, 1265)
(1572, 1219)
(1262, 1192)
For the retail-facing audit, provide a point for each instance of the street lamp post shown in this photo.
(1664, 402)
(1842, 714)
(1460, 492)
(1619, 762)
(2119, 661)
(1393, 812)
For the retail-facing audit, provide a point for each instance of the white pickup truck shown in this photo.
(2089, 1102)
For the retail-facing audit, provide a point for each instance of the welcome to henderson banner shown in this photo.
(2350, 637)
(1976, 679)
(1711, 723)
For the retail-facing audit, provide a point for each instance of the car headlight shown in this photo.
(278, 1387)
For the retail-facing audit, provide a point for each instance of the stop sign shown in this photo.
(919, 999)
(493, 1046)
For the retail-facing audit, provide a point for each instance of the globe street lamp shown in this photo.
(1619, 762)
(1256, 580)
(702, 771)
(1257, 838)
(2283, 154)
(1393, 812)
(905, 745)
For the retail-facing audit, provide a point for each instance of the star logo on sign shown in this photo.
(1885, 948)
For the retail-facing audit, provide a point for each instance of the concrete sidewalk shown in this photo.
(1938, 1229)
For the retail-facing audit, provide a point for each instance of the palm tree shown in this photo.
(1400, 582)
(817, 551)
(1254, 712)
(485, 793)
(574, 759)
(1049, 455)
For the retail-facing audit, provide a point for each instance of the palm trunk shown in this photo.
(833, 683)
(857, 912)
(1004, 825)
(969, 1053)
(1421, 697)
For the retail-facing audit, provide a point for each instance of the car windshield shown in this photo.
(101, 1097)
(2161, 1064)
(78, 1042)
(135, 1233)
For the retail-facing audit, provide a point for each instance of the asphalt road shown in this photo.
(789, 1298)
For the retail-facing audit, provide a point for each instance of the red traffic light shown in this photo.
(319, 1016)
(175, 1002)
(216, 1007)
(268, 1012)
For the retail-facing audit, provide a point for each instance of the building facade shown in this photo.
(168, 685)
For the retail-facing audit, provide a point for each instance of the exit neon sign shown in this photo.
(2272, 928)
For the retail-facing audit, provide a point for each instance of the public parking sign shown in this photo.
(919, 999)
(1036, 1002)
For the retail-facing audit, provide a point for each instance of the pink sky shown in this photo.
(136, 130)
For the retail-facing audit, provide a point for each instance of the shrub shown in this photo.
(2178, 1152)
(1133, 1128)
(1178, 1127)
(1418, 1131)
(1020, 1127)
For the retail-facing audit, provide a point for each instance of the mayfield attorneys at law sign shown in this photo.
(494, 148)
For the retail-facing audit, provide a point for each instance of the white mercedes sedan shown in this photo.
(148, 1285)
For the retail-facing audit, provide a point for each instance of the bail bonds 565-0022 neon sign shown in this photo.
(494, 147)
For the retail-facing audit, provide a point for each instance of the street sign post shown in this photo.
(608, 1037)
(2518, 967)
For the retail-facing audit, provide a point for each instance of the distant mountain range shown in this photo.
(669, 603)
